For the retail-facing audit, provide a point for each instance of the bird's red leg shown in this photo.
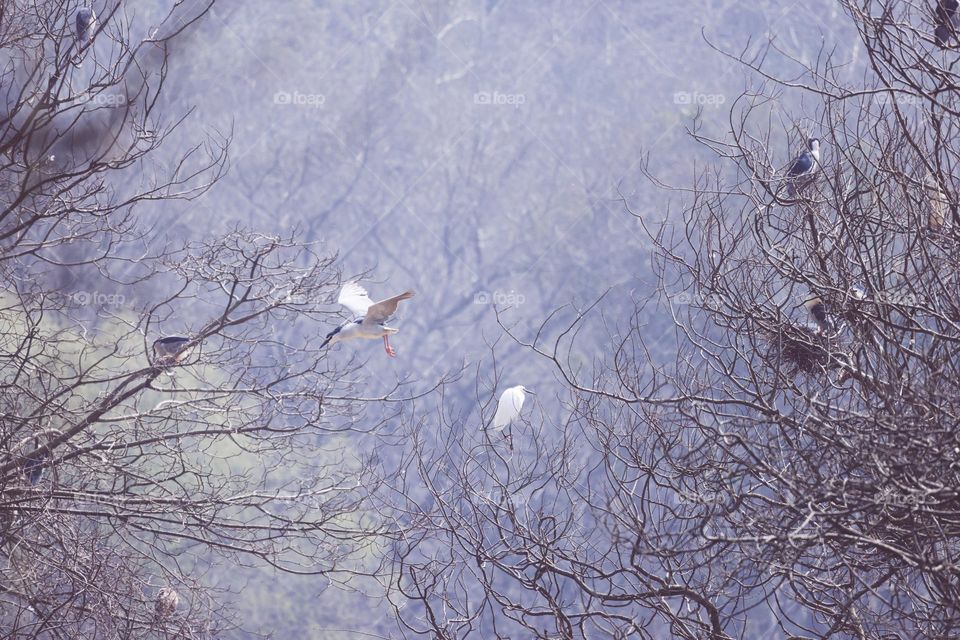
(386, 347)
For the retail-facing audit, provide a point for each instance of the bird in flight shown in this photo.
(370, 318)
(508, 408)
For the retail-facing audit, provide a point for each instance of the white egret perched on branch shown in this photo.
(508, 408)
(370, 318)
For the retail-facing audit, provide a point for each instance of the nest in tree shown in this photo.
(166, 603)
(805, 348)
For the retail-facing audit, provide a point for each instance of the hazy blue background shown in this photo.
(471, 151)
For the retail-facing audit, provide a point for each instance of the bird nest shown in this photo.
(804, 348)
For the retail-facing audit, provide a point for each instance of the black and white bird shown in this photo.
(818, 310)
(166, 603)
(947, 22)
(508, 408)
(938, 204)
(86, 24)
(33, 466)
(170, 350)
(803, 166)
(370, 318)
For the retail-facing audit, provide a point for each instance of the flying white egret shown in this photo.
(371, 317)
(508, 408)
(170, 350)
(803, 166)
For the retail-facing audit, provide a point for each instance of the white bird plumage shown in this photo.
(509, 406)
(370, 317)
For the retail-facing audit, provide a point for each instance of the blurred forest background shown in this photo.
(475, 152)
(479, 152)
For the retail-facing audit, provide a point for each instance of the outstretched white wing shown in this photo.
(355, 298)
(508, 408)
(381, 311)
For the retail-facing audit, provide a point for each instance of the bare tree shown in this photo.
(783, 473)
(124, 476)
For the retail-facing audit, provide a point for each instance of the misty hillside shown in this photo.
(738, 410)
(473, 152)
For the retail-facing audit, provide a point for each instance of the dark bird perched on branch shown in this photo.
(170, 350)
(33, 466)
(86, 23)
(803, 167)
(946, 21)
(818, 310)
